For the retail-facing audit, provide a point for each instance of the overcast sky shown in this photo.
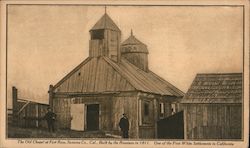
(47, 42)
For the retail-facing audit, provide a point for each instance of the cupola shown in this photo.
(105, 39)
(135, 52)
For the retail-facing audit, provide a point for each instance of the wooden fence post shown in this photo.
(51, 96)
(14, 105)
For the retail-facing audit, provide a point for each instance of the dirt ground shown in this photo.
(17, 132)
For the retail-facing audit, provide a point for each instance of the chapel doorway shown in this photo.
(93, 117)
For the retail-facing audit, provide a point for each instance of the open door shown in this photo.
(78, 117)
(92, 117)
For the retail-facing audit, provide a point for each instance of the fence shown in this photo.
(171, 127)
(26, 113)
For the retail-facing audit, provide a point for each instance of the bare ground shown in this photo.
(17, 132)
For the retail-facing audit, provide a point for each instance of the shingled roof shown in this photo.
(105, 22)
(215, 88)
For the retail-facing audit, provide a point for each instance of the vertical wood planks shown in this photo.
(95, 76)
(213, 121)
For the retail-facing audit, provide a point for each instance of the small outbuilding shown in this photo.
(213, 107)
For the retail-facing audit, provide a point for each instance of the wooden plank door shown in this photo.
(78, 117)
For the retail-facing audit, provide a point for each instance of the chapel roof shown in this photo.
(105, 22)
(126, 77)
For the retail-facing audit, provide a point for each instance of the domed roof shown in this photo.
(105, 22)
(132, 44)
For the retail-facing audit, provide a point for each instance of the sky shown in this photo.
(46, 42)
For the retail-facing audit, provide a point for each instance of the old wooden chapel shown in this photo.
(113, 80)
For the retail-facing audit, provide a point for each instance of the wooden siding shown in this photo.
(104, 110)
(61, 107)
(96, 48)
(147, 119)
(111, 110)
(32, 115)
(27, 113)
(167, 101)
(113, 43)
(167, 109)
(127, 105)
(216, 121)
(147, 124)
(109, 46)
(112, 106)
(95, 76)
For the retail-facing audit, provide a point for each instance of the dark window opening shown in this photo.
(146, 109)
(97, 34)
(79, 74)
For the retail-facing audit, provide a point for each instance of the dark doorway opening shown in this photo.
(93, 117)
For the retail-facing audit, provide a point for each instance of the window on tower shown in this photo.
(97, 34)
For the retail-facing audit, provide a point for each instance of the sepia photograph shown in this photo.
(129, 72)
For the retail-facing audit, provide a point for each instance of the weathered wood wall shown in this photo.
(127, 105)
(61, 107)
(32, 115)
(149, 118)
(27, 113)
(167, 109)
(111, 110)
(108, 45)
(113, 43)
(147, 123)
(213, 121)
(96, 48)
